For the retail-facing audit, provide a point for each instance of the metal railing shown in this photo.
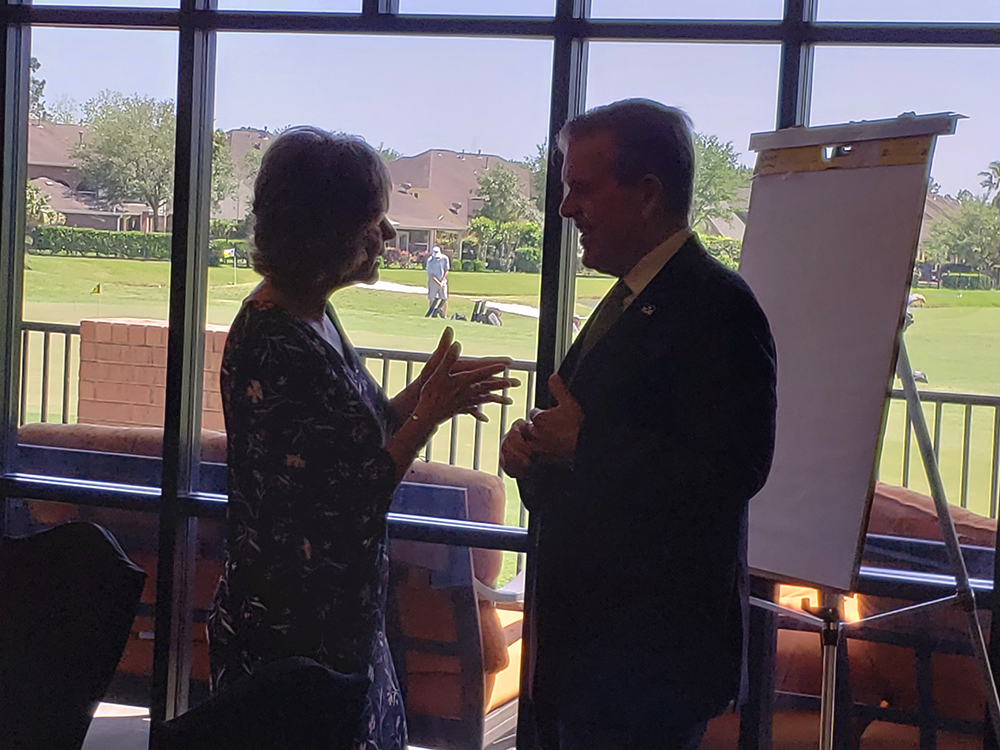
(967, 444)
(69, 335)
(986, 436)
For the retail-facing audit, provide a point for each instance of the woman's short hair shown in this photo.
(314, 193)
(649, 138)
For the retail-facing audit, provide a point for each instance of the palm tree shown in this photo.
(991, 181)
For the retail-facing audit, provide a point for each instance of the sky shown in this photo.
(492, 95)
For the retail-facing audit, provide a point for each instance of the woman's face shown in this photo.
(369, 245)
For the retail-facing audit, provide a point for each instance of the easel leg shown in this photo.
(843, 718)
(830, 639)
(966, 597)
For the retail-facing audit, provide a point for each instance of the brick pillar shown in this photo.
(123, 369)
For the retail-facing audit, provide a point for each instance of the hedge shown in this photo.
(726, 250)
(101, 243)
(966, 281)
(528, 259)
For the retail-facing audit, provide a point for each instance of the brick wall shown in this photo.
(123, 372)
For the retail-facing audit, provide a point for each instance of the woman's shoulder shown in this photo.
(265, 329)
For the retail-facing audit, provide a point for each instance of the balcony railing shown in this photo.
(965, 427)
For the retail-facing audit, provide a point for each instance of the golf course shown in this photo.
(954, 342)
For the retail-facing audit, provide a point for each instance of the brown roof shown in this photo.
(449, 177)
(67, 201)
(241, 140)
(50, 144)
(419, 208)
(937, 207)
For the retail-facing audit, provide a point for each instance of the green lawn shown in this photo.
(954, 340)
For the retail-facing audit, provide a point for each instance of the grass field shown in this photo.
(954, 341)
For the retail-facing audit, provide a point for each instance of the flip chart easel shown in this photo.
(831, 237)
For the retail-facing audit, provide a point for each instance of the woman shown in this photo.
(315, 448)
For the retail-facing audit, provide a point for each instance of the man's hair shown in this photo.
(315, 192)
(650, 139)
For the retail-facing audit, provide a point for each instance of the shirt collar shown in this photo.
(652, 262)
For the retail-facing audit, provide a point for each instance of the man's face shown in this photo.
(606, 212)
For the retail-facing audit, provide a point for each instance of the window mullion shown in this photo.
(185, 348)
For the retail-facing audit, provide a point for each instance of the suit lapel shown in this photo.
(650, 303)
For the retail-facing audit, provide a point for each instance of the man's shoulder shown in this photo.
(696, 282)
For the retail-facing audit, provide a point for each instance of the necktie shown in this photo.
(604, 317)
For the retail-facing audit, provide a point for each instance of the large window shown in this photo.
(722, 124)
(953, 340)
(453, 141)
(133, 244)
(100, 172)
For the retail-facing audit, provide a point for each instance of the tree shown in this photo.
(497, 242)
(538, 166)
(223, 177)
(251, 164)
(65, 110)
(718, 177)
(388, 153)
(503, 199)
(36, 93)
(129, 154)
(970, 237)
(991, 182)
(39, 211)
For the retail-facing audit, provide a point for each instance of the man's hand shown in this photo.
(515, 451)
(554, 432)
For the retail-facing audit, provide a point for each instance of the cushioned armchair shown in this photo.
(435, 686)
(68, 596)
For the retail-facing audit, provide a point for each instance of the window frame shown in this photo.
(177, 501)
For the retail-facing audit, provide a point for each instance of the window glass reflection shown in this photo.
(954, 295)
(483, 8)
(657, 9)
(464, 180)
(722, 124)
(916, 11)
(96, 273)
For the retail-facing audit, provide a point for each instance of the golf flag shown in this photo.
(96, 289)
(229, 252)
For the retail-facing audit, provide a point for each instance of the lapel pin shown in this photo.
(648, 309)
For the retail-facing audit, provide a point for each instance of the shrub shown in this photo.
(966, 281)
(101, 243)
(223, 229)
(528, 259)
(726, 250)
(393, 256)
(216, 248)
(473, 265)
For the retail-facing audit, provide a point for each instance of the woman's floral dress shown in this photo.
(310, 484)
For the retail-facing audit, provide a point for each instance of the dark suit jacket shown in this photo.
(641, 577)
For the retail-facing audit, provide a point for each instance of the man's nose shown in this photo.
(568, 206)
(388, 230)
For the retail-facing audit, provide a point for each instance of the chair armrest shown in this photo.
(511, 593)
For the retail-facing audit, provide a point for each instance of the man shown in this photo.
(437, 284)
(663, 430)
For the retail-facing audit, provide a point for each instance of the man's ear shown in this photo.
(651, 195)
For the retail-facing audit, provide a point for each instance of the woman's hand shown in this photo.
(404, 403)
(447, 386)
(456, 386)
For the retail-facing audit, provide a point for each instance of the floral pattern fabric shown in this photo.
(310, 482)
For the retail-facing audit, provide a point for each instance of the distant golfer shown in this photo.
(438, 266)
